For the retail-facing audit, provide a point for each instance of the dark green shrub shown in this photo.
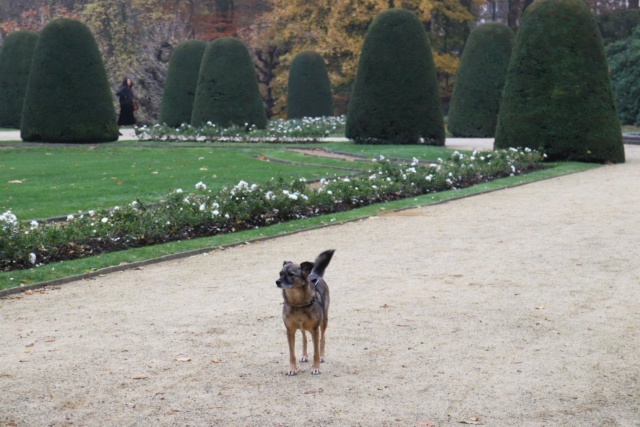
(475, 102)
(618, 25)
(557, 94)
(309, 89)
(15, 63)
(395, 97)
(624, 62)
(180, 85)
(228, 92)
(68, 98)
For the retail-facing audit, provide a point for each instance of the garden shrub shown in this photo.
(180, 85)
(228, 92)
(624, 61)
(475, 102)
(309, 88)
(557, 94)
(395, 97)
(68, 98)
(15, 63)
(618, 24)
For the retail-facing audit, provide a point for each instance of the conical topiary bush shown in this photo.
(15, 63)
(395, 97)
(475, 101)
(309, 88)
(228, 92)
(68, 98)
(557, 94)
(180, 85)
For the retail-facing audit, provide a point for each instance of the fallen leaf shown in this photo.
(426, 424)
(540, 307)
(119, 183)
(215, 361)
(472, 420)
(29, 292)
(141, 377)
(182, 359)
(15, 181)
(30, 345)
(50, 341)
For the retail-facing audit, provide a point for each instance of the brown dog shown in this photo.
(306, 307)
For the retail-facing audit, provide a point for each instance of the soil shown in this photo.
(512, 308)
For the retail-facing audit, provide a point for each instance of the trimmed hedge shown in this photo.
(557, 94)
(624, 61)
(395, 97)
(309, 88)
(15, 64)
(180, 85)
(228, 92)
(68, 98)
(475, 102)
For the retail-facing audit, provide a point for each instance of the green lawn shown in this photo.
(60, 180)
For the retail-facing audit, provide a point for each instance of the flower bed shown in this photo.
(304, 130)
(202, 213)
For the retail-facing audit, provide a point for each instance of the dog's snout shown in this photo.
(278, 283)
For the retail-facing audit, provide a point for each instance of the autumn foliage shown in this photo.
(68, 98)
(557, 94)
(395, 97)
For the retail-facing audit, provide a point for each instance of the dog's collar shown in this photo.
(313, 301)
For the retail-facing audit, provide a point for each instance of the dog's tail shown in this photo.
(321, 263)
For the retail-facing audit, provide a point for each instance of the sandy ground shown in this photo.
(514, 308)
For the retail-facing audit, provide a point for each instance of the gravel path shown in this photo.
(514, 308)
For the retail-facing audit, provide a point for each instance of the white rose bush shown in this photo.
(307, 129)
(184, 214)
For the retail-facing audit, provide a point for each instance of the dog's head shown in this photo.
(293, 275)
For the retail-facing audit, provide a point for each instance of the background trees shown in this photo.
(137, 37)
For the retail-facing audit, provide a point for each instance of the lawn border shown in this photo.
(237, 239)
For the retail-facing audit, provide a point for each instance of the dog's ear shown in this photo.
(306, 267)
(286, 262)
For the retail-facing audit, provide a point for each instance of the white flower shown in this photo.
(202, 207)
(104, 220)
(32, 258)
(215, 213)
(414, 161)
(329, 192)
(134, 204)
(201, 186)
(179, 191)
(34, 224)
(69, 217)
(91, 213)
(117, 208)
(215, 205)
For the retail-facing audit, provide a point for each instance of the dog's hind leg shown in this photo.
(291, 338)
(323, 328)
(305, 355)
(315, 336)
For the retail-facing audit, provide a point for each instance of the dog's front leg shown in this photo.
(315, 336)
(291, 338)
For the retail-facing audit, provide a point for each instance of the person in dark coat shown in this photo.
(127, 99)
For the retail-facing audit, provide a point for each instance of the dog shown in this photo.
(306, 307)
